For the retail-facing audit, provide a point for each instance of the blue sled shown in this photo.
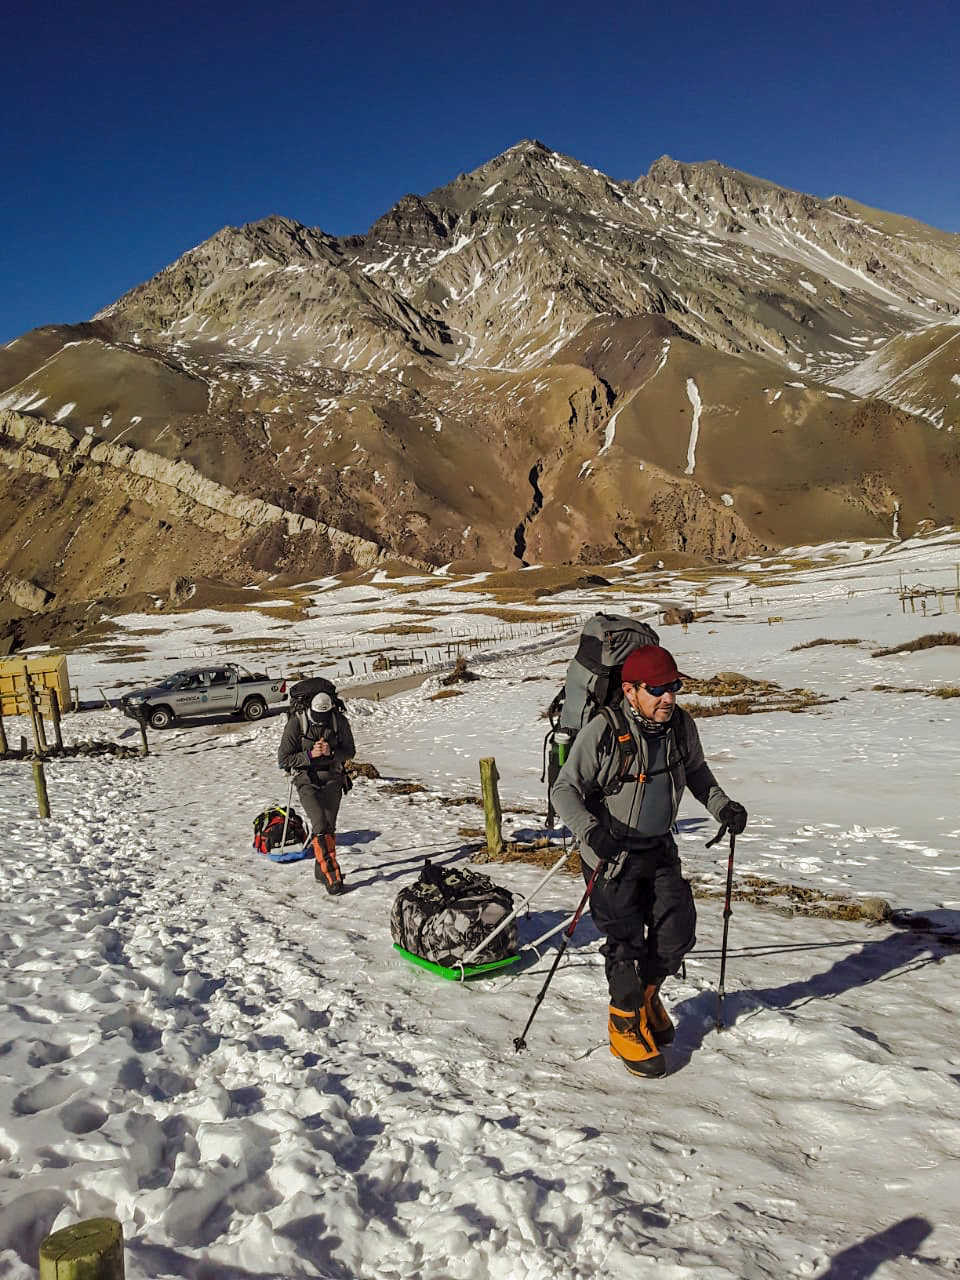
(287, 855)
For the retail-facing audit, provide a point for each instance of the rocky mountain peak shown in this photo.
(528, 173)
(533, 362)
(412, 223)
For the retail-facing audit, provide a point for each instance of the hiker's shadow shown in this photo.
(863, 1259)
(533, 926)
(912, 942)
(349, 838)
(407, 866)
(692, 825)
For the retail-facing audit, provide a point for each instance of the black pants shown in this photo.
(649, 920)
(321, 801)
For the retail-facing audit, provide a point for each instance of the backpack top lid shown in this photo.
(593, 676)
(304, 691)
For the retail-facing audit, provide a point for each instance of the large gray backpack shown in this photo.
(593, 682)
(593, 676)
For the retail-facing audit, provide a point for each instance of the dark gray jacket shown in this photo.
(299, 737)
(593, 762)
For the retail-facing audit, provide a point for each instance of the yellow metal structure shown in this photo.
(44, 672)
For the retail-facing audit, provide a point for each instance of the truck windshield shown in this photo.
(179, 680)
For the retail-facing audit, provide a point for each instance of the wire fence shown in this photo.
(369, 657)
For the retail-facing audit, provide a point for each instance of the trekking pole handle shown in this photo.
(718, 837)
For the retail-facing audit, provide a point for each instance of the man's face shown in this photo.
(658, 708)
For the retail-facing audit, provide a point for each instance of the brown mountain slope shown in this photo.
(533, 363)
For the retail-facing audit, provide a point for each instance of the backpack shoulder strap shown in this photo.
(624, 746)
(679, 737)
(626, 749)
(302, 717)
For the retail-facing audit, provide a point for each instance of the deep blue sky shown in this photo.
(133, 132)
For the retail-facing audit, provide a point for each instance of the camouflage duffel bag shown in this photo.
(447, 913)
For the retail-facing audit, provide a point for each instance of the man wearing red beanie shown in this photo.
(640, 899)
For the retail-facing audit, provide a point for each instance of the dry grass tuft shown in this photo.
(445, 693)
(503, 613)
(946, 691)
(402, 788)
(460, 674)
(359, 768)
(403, 629)
(812, 644)
(726, 684)
(261, 644)
(519, 584)
(127, 653)
(922, 642)
(740, 695)
(538, 853)
(795, 900)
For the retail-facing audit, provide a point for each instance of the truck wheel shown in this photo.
(161, 718)
(254, 709)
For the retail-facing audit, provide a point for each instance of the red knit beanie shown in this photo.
(650, 665)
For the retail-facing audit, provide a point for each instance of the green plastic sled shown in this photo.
(458, 973)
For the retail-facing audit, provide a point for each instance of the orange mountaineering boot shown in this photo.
(658, 1020)
(326, 868)
(632, 1041)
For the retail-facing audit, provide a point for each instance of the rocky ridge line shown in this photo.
(50, 450)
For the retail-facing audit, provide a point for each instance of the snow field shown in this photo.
(243, 1071)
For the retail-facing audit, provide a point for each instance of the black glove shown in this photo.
(605, 846)
(733, 816)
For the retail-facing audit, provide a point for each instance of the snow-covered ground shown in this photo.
(240, 1068)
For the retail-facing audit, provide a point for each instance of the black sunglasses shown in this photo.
(658, 690)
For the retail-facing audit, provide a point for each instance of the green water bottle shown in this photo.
(561, 746)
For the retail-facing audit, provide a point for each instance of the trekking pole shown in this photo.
(727, 913)
(521, 1040)
(509, 919)
(286, 815)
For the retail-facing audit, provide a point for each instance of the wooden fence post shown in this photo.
(491, 806)
(91, 1250)
(144, 749)
(40, 782)
(3, 738)
(38, 741)
(41, 726)
(55, 717)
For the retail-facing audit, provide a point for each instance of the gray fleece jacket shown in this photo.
(594, 761)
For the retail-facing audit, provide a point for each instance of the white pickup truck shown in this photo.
(224, 688)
